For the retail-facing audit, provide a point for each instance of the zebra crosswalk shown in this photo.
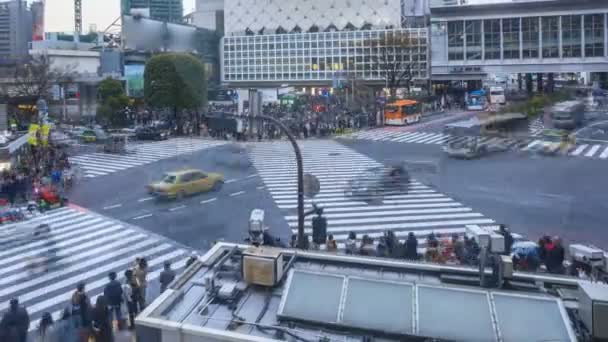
(420, 210)
(588, 150)
(536, 127)
(100, 164)
(82, 247)
(421, 137)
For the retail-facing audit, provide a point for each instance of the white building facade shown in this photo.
(315, 42)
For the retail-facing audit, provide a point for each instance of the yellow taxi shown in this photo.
(186, 182)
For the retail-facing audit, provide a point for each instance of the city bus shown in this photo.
(402, 112)
(476, 100)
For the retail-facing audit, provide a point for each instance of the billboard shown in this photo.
(37, 9)
(134, 74)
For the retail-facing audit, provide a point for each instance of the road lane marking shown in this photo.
(592, 151)
(209, 200)
(142, 217)
(112, 206)
(230, 181)
(237, 193)
(579, 150)
(177, 208)
(260, 187)
(604, 154)
(251, 176)
(145, 199)
(532, 144)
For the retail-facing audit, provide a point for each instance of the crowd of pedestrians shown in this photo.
(110, 319)
(548, 253)
(41, 166)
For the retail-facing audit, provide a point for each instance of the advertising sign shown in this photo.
(33, 136)
(134, 73)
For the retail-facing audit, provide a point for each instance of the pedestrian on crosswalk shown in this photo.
(65, 328)
(81, 307)
(101, 320)
(332, 245)
(46, 330)
(411, 247)
(166, 276)
(131, 295)
(15, 323)
(113, 294)
(141, 273)
(351, 243)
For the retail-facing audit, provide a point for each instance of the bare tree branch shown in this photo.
(34, 79)
(394, 59)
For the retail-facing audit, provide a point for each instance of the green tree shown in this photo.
(176, 81)
(113, 101)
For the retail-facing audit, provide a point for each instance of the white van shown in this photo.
(497, 95)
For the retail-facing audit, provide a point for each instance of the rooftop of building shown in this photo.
(328, 297)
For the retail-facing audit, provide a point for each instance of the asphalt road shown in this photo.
(196, 221)
(534, 195)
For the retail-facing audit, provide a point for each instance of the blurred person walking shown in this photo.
(65, 328)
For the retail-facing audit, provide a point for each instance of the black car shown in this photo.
(151, 133)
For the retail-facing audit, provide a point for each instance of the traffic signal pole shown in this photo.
(302, 243)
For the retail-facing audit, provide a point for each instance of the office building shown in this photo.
(209, 14)
(15, 30)
(317, 42)
(532, 36)
(163, 10)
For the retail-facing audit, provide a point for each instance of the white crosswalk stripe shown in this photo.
(421, 209)
(100, 164)
(83, 247)
(530, 145)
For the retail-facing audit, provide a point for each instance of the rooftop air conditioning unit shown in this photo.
(593, 308)
(262, 266)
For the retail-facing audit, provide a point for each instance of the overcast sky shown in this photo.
(60, 13)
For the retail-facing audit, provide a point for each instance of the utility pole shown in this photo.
(302, 242)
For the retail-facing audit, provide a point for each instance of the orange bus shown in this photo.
(402, 112)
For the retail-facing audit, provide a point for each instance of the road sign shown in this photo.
(311, 186)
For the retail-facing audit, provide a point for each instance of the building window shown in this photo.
(550, 35)
(473, 39)
(455, 40)
(529, 28)
(491, 34)
(594, 35)
(571, 36)
(510, 36)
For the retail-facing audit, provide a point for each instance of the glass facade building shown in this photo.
(557, 36)
(322, 56)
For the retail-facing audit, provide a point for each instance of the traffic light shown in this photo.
(319, 229)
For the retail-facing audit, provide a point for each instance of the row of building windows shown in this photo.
(528, 37)
(298, 75)
(319, 56)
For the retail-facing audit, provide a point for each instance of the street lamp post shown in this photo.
(302, 243)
